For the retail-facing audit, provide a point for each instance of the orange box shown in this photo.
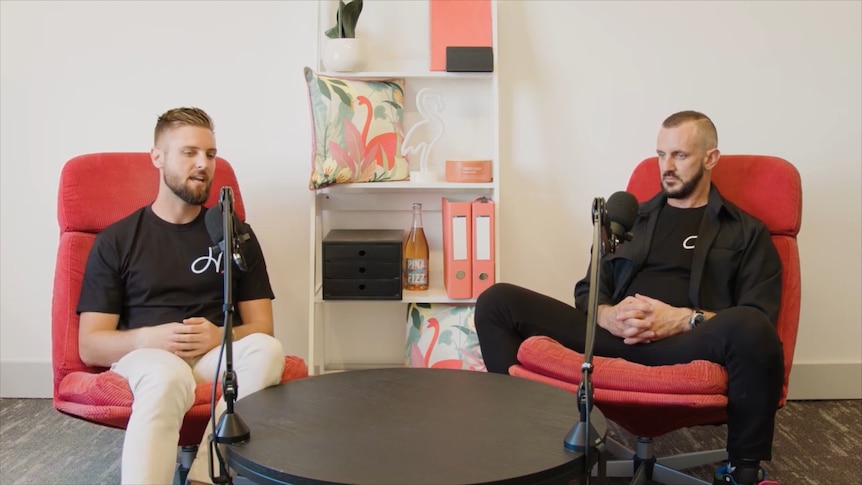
(468, 171)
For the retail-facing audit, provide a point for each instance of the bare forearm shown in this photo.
(256, 318)
(249, 328)
(101, 348)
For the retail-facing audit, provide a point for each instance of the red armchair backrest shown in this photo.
(95, 191)
(770, 189)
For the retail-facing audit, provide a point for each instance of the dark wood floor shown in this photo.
(816, 443)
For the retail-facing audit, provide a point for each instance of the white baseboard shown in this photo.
(825, 381)
(807, 380)
(26, 379)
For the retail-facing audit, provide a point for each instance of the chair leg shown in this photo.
(187, 456)
(697, 458)
(643, 466)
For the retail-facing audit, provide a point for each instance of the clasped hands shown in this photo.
(640, 319)
(190, 338)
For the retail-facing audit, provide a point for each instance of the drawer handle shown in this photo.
(361, 270)
(362, 252)
(362, 287)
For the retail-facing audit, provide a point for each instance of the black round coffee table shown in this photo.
(409, 426)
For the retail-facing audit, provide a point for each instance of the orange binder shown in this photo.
(457, 249)
(483, 245)
(458, 23)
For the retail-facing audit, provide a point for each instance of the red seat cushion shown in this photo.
(105, 398)
(647, 401)
(545, 356)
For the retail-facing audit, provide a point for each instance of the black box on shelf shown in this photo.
(362, 264)
(469, 59)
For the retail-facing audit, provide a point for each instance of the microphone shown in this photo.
(612, 221)
(231, 428)
(618, 218)
(215, 227)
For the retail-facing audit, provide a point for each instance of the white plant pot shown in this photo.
(346, 55)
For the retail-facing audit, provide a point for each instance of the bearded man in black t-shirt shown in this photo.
(151, 304)
(700, 280)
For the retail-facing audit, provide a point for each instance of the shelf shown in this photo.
(413, 74)
(434, 294)
(404, 187)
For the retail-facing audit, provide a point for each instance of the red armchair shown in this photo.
(95, 191)
(652, 401)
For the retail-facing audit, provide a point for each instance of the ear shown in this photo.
(712, 157)
(157, 156)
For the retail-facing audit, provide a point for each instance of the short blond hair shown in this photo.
(177, 117)
(708, 134)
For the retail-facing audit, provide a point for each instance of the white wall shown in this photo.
(584, 86)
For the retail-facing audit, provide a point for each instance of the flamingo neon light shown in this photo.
(430, 104)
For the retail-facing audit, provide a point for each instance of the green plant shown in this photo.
(345, 20)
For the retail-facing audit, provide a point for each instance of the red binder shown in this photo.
(483, 245)
(457, 249)
(458, 23)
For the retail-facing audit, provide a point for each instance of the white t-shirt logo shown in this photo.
(205, 261)
(688, 243)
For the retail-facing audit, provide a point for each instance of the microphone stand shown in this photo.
(231, 428)
(583, 437)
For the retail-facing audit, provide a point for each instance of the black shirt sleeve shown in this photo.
(102, 285)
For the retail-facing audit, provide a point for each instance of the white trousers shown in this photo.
(163, 386)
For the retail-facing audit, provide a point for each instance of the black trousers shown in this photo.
(741, 338)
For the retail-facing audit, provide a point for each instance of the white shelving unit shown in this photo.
(351, 334)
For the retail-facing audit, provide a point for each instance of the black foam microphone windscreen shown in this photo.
(622, 210)
(215, 225)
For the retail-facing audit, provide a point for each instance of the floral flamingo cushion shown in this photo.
(442, 336)
(357, 130)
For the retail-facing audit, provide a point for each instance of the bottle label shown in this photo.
(417, 271)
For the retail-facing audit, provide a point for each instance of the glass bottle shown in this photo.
(416, 254)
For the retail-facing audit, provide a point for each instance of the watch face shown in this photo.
(696, 319)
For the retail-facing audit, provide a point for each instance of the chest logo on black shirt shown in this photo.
(688, 243)
(203, 263)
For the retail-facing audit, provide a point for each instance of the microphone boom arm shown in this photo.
(583, 437)
(231, 428)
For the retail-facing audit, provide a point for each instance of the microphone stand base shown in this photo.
(574, 440)
(232, 429)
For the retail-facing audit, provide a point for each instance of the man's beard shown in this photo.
(685, 189)
(184, 192)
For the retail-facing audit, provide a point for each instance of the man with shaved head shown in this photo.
(700, 280)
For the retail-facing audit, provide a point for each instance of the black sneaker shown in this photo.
(747, 476)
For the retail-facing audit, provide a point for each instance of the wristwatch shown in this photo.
(697, 317)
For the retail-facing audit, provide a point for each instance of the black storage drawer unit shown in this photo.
(362, 269)
(362, 264)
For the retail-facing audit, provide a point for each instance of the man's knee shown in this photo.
(262, 354)
(158, 373)
(747, 323)
(264, 344)
(496, 296)
(751, 332)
